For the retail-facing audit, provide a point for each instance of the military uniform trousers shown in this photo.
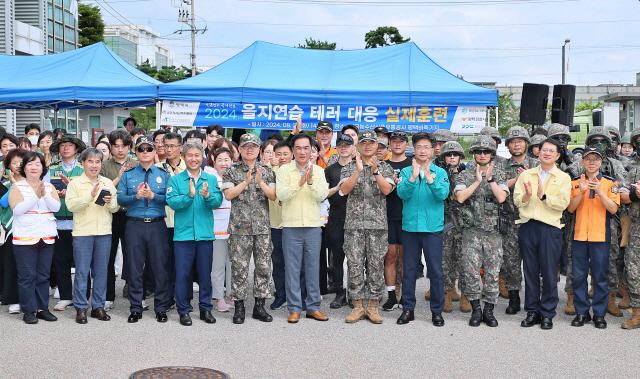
(415, 245)
(452, 239)
(148, 240)
(481, 249)
(632, 264)
(365, 247)
(241, 247)
(540, 245)
(615, 256)
(511, 258)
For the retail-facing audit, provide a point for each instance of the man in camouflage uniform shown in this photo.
(367, 181)
(560, 133)
(632, 254)
(249, 185)
(452, 153)
(481, 190)
(442, 136)
(534, 145)
(600, 139)
(517, 140)
(495, 135)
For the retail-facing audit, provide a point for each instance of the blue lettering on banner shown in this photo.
(284, 116)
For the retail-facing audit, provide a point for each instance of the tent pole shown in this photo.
(497, 123)
(55, 118)
(158, 113)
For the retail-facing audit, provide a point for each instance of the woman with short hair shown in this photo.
(34, 232)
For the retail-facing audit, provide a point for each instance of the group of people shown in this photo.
(196, 208)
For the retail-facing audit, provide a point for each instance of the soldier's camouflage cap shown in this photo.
(483, 142)
(368, 135)
(249, 138)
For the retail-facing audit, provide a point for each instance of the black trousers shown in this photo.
(9, 273)
(62, 262)
(117, 236)
(541, 249)
(148, 240)
(333, 238)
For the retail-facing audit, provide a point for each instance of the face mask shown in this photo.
(601, 146)
(33, 139)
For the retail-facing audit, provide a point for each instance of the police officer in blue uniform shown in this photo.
(142, 190)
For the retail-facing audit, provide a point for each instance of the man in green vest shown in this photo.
(60, 173)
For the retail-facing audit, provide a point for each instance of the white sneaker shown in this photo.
(62, 305)
(14, 309)
(145, 307)
(56, 295)
(108, 305)
(196, 287)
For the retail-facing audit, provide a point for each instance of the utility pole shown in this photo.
(188, 17)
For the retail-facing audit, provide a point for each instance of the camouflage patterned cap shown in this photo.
(483, 142)
(452, 147)
(614, 133)
(491, 132)
(368, 135)
(626, 138)
(443, 135)
(558, 129)
(517, 132)
(249, 138)
(537, 139)
(597, 131)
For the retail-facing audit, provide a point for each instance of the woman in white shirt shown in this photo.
(34, 203)
(221, 159)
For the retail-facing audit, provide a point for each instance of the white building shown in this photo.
(137, 44)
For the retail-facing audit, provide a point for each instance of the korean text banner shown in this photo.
(427, 118)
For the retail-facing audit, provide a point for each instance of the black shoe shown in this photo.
(46, 315)
(161, 316)
(340, 300)
(259, 313)
(532, 319)
(476, 313)
(488, 317)
(405, 317)
(580, 320)
(436, 319)
(546, 323)
(134, 317)
(238, 311)
(185, 320)
(392, 301)
(29, 318)
(277, 303)
(599, 322)
(514, 302)
(207, 317)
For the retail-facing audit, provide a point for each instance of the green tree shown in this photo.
(165, 74)
(310, 43)
(384, 36)
(588, 105)
(90, 25)
(146, 117)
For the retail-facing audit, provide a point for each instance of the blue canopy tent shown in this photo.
(268, 73)
(90, 77)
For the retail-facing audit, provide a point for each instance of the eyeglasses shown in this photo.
(592, 160)
(148, 149)
(598, 141)
(483, 152)
(547, 150)
(451, 155)
(171, 147)
(422, 147)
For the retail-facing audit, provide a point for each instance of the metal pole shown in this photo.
(193, 37)
(563, 74)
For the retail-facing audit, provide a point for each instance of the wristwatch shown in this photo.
(375, 173)
(544, 197)
(491, 180)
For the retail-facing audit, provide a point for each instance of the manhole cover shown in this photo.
(178, 372)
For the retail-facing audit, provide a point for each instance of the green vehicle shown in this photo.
(582, 123)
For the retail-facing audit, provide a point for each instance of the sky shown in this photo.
(503, 41)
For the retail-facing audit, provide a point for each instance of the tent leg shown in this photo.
(158, 113)
(497, 122)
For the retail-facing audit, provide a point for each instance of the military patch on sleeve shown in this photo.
(169, 190)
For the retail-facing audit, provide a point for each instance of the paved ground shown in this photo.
(313, 349)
